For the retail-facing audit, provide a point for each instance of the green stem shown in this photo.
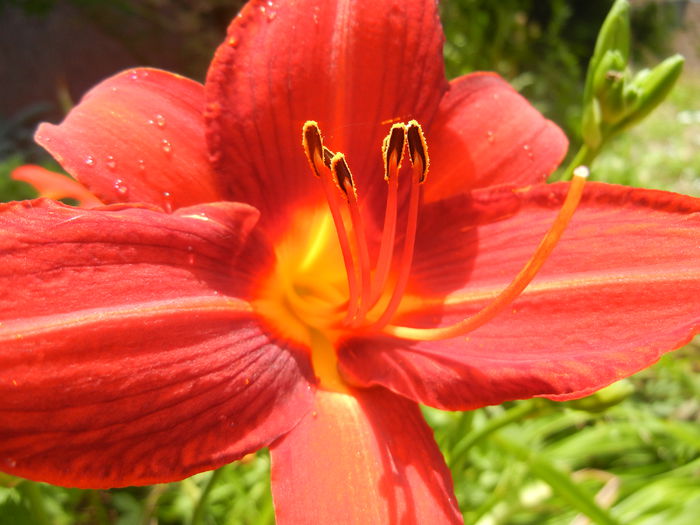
(518, 412)
(198, 514)
(36, 503)
(98, 507)
(584, 157)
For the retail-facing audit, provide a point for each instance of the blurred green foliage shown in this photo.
(543, 47)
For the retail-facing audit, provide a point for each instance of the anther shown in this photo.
(418, 149)
(392, 150)
(313, 146)
(342, 176)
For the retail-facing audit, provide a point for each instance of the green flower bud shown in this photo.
(614, 36)
(650, 88)
(590, 125)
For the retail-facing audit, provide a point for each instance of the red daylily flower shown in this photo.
(233, 293)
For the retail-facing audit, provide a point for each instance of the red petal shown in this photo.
(354, 67)
(485, 134)
(127, 357)
(621, 288)
(54, 185)
(137, 137)
(366, 458)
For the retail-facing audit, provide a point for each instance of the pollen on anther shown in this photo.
(418, 148)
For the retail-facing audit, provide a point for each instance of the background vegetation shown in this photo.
(628, 455)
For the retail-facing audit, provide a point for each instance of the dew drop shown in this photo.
(315, 14)
(190, 255)
(111, 163)
(530, 154)
(233, 41)
(167, 147)
(489, 136)
(168, 201)
(141, 164)
(133, 74)
(213, 110)
(121, 187)
(90, 160)
(160, 121)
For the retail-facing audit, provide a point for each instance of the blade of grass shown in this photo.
(561, 484)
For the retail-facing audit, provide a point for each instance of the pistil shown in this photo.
(519, 283)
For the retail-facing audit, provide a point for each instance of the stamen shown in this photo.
(343, 179)
(418, 151)
(317, 154)
(392, 151)
(516, 287)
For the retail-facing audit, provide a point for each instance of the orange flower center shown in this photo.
(325, 285)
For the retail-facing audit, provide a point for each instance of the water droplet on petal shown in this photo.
(168, 201)
(121, 187)
(160, 121)
(233, 41)
(167, 147)
(111, 163)
(90, 160)
(190, 255)
(141, 164)
(212, 110)
(489, 136)
(530, 154)
(133, 74)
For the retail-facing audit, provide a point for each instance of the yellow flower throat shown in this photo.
(325, 287)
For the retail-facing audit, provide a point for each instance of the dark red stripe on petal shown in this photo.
(140, 401)
(355, 67)
(128, 351)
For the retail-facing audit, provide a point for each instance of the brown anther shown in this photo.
(342, 176)
(392, 148)
(418, 148)
(313, 145)
(327, 156)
